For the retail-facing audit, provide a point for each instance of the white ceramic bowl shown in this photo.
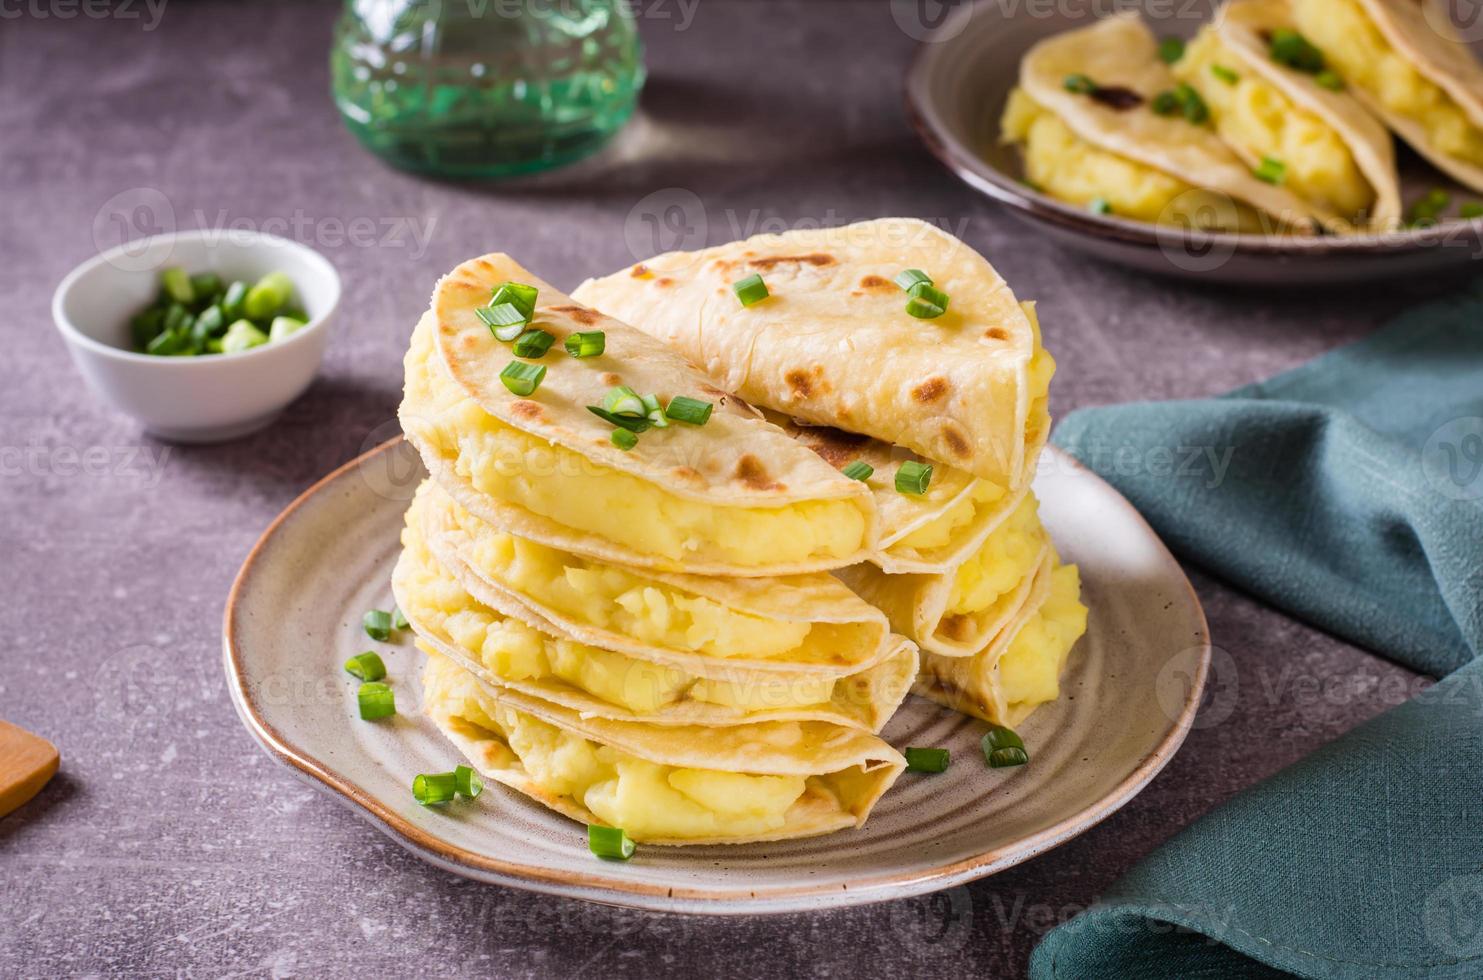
(212, 397)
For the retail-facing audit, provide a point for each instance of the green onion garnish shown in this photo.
(589, 344)
(518, 295)
(1272, 170)
(378, 624)
(913, 477)
(467, 782)
(1472, 209)
(267, 296)
(1195, 109)
(623, 439)
(691, 411)
(367, 666)
(1292, 49)
(522, 378)
(1171, 49)
(533, 344)
(177, 285)
(926, 760)
(1099, 205)
(623, 400)
(751, 290)
(910, 277)
(1329, 80)
(654, 412)
(376, 700)
(1080, 84)
(1225, 74)
(432, 788)
(1002, 747)
(609, 843)
(398, 618)
(505, 321)
(628, 422)
(1165, 104)
(926, 302)
(232, 300)
(858, 470)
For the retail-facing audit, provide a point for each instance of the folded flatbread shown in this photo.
(664, 785)
(1021, 670)
(1404, 60)
(734, 496)
(960, 612)
(678, 674)
(1333, 153)
(1106, 143)
(833, 344)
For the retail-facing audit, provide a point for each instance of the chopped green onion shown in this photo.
(232, 300)
(1426, 209)
(1002, 747)
(522, 378)
(589, 344)
(533, 344)
(1080, 84)
(623, 439)
(376, 700)
(1292, 49)
(858, 470)
(926, 760)
(1166, 103)
(467, 782)
(609, 843)
(910, 277)
(242, 335)
(1195, 109)
(367, 666)
(1272, 170)
(691, 411)
(913, 477)
(432, 788)
(926, 302)
(1171, 49)
(1472, 209)
(1099, 205)
(177, 285)
(269, 295)
(654, 412)
(1329, 80)
(212, 322)
(378, 624)
(398, 618)
(751, 290)
(1225, 74)
(628, 422)
(623, 400)
(282, 327)
(518, 295)
(505, 321)
(206, 285)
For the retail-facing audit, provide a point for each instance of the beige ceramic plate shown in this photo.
(1134, 682)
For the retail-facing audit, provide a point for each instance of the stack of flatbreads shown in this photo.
(961, 565)
(629, 617)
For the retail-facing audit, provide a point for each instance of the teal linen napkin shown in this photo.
(1348, 492)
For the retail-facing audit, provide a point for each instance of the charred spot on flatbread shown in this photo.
(816, 259)
(751, 471)
(579, 313)
(876, 283)
(931, 390)
(957, 443)
(835, 446)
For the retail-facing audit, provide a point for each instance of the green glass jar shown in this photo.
(485, 88)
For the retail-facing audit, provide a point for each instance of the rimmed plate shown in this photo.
(1134, 683)
(955, 93)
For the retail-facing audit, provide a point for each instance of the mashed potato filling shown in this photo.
(1354, 45)
(1070, 169)
(614, 598)
(515, 652)
(1007, 556)
(647, 799)
(1259, 121)
(566, 487)
(1030, 669)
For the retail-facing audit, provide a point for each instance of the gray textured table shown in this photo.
(169, 844)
